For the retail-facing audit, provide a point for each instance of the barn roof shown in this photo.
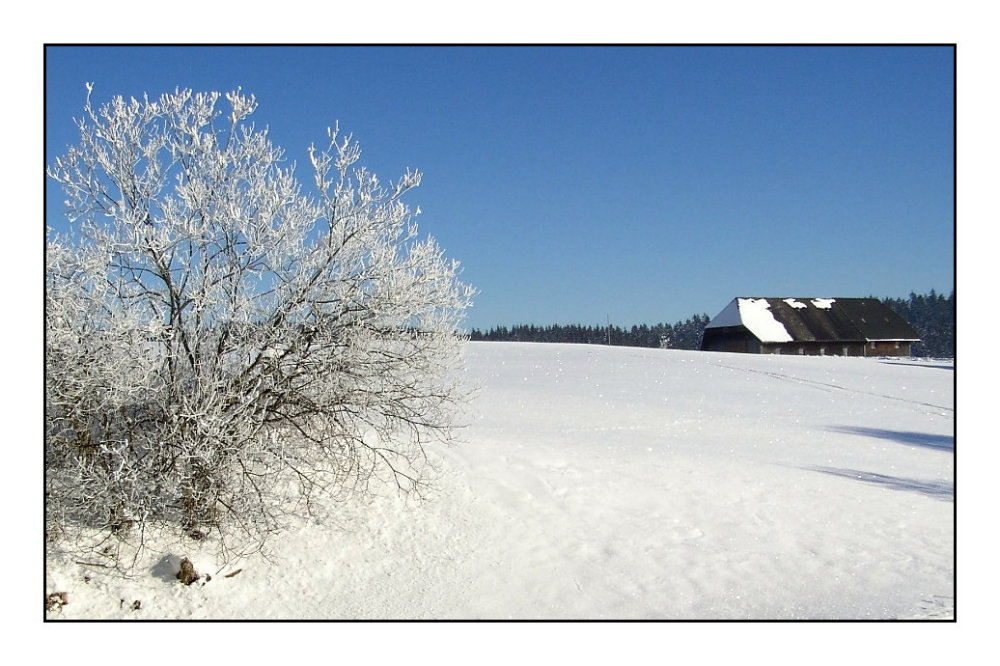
(815, 319)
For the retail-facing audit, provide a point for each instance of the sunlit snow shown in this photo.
(756, 315)
(597, 482)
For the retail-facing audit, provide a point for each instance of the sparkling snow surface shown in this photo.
(600, 482)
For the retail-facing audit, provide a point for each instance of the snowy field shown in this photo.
(617, 483)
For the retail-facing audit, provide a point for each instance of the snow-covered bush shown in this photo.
(222, 347)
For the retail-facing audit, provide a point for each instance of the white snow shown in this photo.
(599, 482)
(795, 304)
(823, 303)
(757, 317)
(755, 314)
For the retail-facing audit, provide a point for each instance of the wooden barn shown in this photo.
(811, 326)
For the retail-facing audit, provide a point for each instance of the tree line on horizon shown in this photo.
(932, 316)
(681, 335)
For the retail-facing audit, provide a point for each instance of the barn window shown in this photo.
(845, 351)
(822, 351)
(802, 350)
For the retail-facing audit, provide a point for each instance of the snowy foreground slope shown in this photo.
(602, 482)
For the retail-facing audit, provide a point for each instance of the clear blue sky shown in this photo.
(644, 184)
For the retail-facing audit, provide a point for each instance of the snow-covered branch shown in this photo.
(216, 337)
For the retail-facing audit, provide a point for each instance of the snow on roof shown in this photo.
(755, 314)
(757, 317)
(814, 319)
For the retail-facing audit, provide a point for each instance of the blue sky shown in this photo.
(644, 184)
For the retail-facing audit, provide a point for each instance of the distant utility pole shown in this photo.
(608, 329)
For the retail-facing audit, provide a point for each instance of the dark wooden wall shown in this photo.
(738, 339)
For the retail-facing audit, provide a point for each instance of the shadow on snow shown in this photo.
(939, 366)
(942, 490)
(941, 442)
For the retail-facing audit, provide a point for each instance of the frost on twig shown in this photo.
(221, 348)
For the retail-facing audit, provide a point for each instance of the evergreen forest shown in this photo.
(932, 315)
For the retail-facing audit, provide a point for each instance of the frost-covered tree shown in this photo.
(222, 347)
